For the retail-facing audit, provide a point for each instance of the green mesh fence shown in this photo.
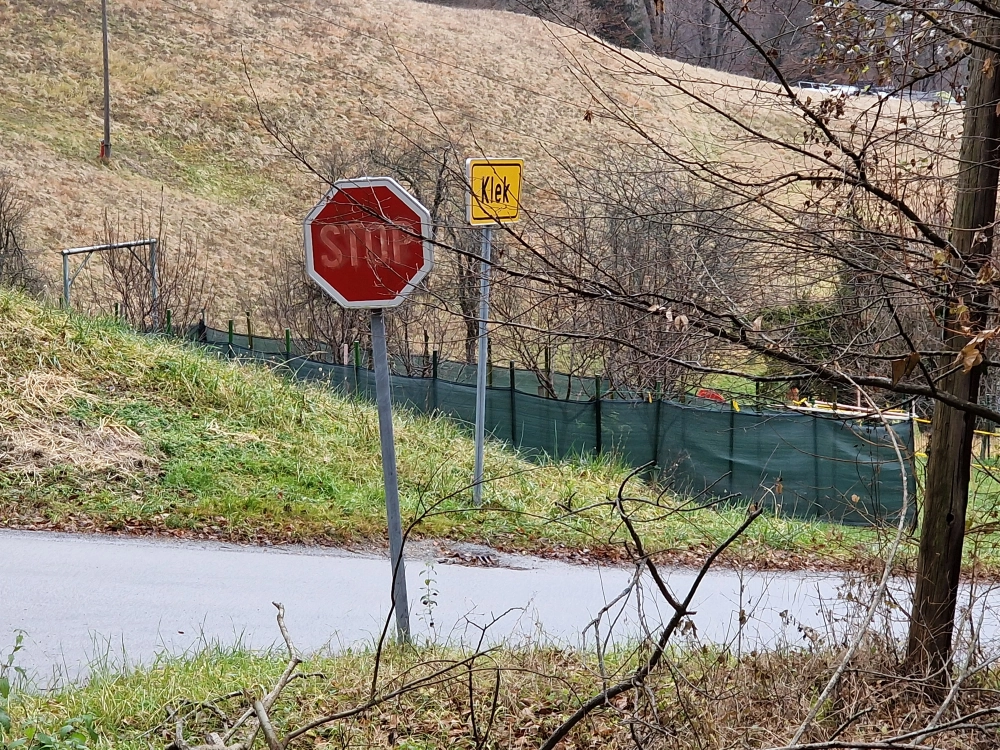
(832, 469)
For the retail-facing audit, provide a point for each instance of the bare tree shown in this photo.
(124, 279)
(15, 266)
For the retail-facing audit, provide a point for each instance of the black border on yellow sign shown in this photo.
(473, 205)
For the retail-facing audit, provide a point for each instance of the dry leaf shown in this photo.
(903, 366)
(988, 272)
(970, 356)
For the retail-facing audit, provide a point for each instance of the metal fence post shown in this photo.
(816, 459)
(288, 344)
(230, 350)
(66, 281)
(170, 323)
(513, 407)
(434, 381)
(154, 281)
(732, 448)
(597, 414)
(658, 395)
(249, 332)
(357, 366)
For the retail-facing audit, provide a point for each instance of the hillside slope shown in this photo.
(102, 429)
(186, 133)
(105, 430)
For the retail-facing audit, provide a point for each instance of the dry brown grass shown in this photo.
(186, 132)
(702, 698)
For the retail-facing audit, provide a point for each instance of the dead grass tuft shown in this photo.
(31, 445)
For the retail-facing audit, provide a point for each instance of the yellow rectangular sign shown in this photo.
(495, 190)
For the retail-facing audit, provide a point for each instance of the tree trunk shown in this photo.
(949, 458)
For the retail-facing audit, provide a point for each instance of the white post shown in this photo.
(484, 344)
(383, 400)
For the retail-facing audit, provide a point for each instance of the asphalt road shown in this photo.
(81, 599)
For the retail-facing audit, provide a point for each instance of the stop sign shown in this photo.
(368, 242)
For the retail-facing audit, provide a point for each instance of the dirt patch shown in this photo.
(30, 445)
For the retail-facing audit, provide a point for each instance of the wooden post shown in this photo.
(949, 460)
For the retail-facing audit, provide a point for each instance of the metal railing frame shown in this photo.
(154, 276)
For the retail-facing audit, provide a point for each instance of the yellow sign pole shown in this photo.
(494, 198)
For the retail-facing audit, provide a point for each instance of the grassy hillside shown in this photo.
(104, 430)
(186, 133)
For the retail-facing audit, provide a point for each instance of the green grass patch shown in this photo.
(107, 430)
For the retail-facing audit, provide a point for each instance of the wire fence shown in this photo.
(818, 465)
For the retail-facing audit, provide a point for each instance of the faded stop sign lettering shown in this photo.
(367, 243)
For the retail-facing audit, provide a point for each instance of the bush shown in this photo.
(15, 267)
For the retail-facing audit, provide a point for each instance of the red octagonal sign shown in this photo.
(368, 242)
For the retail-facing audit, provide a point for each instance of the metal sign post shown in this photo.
(494, 198)
(395, 522)
(484, 354)
(367, 245)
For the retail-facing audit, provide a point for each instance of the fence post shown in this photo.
(816, 460)
(597, 413)
(357, 365)
(170, 322)
(656, 426)
(548, 371)
(513, 406)
(249, 333)
(288, 344)
(202, 328)
(732, 448)
(434, 381)
(230, 349)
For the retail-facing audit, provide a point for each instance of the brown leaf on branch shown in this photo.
(903, 366)
(970, 357)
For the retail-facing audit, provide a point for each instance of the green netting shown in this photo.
(802, 465)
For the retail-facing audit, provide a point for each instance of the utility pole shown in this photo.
(106, 143)
(946, 494)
